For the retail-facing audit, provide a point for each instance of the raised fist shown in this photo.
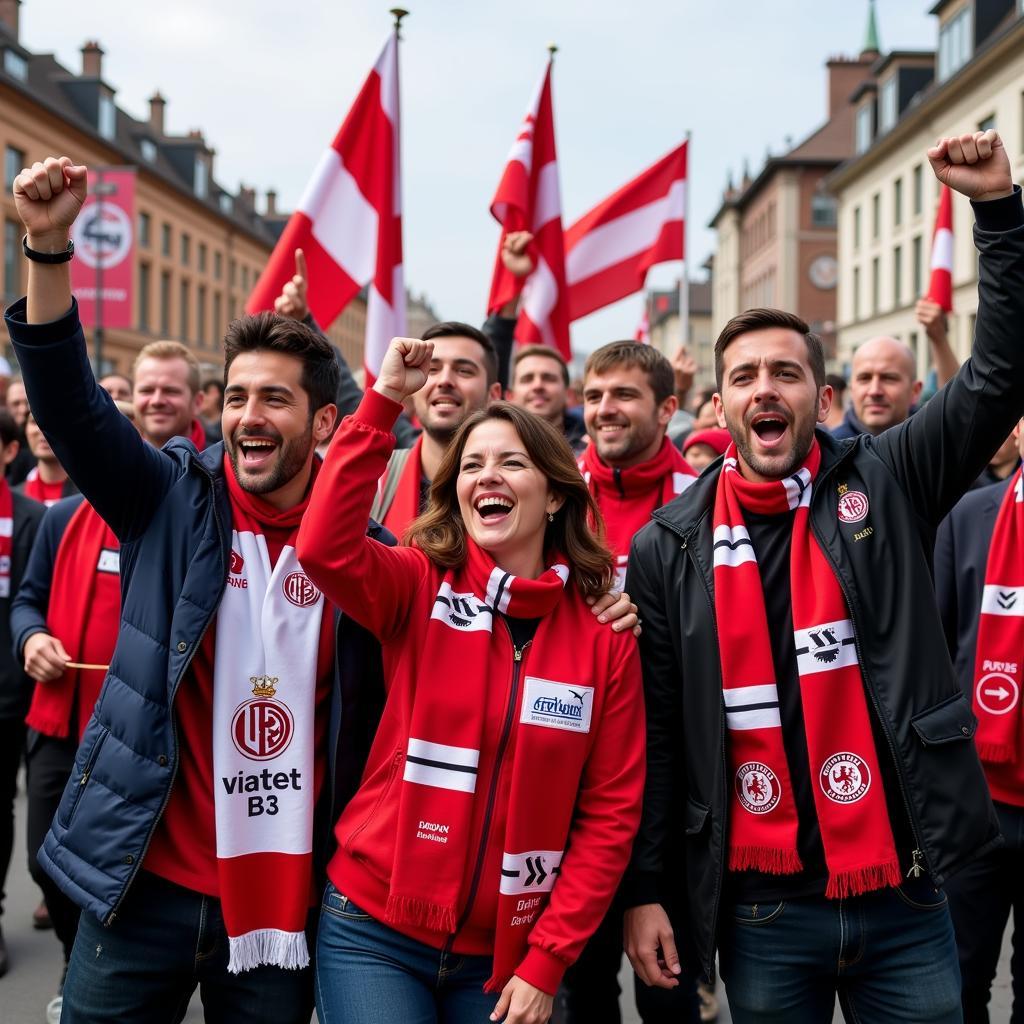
(48, 197)
(515, 255)
(975, 165)
(404, 369)
(292, 300)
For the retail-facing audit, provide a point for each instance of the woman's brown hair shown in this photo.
(578, 530)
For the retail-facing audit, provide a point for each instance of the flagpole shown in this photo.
(398, 13)
(684, 284)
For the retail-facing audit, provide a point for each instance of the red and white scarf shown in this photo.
(88, 547)
(264, 693)
(999, 658)
(627, 496)
(6, 537)
(443, 753)
(860, 852)
(38, 489)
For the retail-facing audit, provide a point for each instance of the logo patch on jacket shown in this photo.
(853, 506)
(109, 561)
(557, 705)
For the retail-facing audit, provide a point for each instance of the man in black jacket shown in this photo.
(982, 895)
(798, 930)
(15, 686)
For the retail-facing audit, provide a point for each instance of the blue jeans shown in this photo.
(889, 955)
(165, 941)
(367, 973)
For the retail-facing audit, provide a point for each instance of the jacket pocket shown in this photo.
(78, 781)
(372, 839)
(696, 817)
(948, 722)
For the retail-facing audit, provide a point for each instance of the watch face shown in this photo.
(824, 272)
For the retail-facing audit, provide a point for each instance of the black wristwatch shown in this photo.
(48, 257)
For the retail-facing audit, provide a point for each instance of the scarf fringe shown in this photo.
(423, 913)
(769, 859)
(495, 983)
(996, 753)
(866, 879)
(269, 946)
(47, 723)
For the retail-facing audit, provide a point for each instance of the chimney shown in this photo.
(9, 17)
(156, 113)
(844, 75)
(92, 60)
(247, 197)
(271, 203)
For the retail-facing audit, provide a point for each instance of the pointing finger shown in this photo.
(300, 264)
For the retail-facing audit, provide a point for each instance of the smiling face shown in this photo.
(164, 402)
(456, 386)
(270, 432)
(884, 383)
(37, 443)
(504, 499)
(623, 417)
(538, 385)
(769, 401)
(17, 402)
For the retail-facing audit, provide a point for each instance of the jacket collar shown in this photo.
(684, 513)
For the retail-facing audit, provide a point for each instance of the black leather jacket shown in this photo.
(911, 476)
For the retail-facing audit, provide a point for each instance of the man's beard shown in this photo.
(291, 459)
(797, 453)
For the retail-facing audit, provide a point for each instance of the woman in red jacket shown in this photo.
(503, 790)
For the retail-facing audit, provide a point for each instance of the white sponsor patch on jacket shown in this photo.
(109, 561)
(557, 705)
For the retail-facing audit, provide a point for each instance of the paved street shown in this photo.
(36, 962)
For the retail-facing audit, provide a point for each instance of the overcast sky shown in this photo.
(269, 84)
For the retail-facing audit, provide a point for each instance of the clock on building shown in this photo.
(824, 272)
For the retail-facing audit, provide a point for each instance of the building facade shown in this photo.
(665, 333)
(972, 80)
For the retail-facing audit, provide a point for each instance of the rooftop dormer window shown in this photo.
(15, 65)
(955, 43)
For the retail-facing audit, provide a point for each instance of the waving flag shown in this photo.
(349, 220)
(528, 199)
(609, 250)
(940, 287)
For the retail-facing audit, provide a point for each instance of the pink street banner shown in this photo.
(104, 236)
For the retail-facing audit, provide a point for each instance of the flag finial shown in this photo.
(398, 13)
(552, 49)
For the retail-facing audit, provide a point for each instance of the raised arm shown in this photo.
(369, 581)
(98, 447)
(939, 452)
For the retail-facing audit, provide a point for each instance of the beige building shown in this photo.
(776, 231)
(665, 335)
(887, 193)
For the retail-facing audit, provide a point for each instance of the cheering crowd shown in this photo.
(352, 708)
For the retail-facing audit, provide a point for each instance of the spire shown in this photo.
(871, 43)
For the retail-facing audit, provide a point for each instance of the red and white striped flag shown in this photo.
(643, 329)
(349, 220)
(528, 199)
(940, 287)
(609, 250)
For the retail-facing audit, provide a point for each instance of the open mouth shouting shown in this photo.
(770, 429)
(255, 453)
(492, 507)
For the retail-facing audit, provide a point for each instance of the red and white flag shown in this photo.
(940, 287)
(349, 220)
(528, 199)
(643, 329)
(609, 250)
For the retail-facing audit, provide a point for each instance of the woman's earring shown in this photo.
(551, 517)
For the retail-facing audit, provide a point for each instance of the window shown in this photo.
(218, 323)
(856, 227)
(917, 280)
(202, 178)
(107, 117)
(897, 202)
(897, 277)
(865, 128)
(184, 300)
(823, 210)
(245, 279)
(202, 257)
(149, 150)
(876, 214)
(876, 285)
(186, 249)
(225, 203)
(918, 189)
(12, 258)
(987, 124)
(165, 303)
(856, 293)
(14, 160)
(144, 277)
(888, 109)
(145, 222)
(165, 239)
(232, 268)
(218, 265)
(955, 43)
(15, 65)
(201, 315)
(232, 306)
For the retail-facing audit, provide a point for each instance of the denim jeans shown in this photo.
(367, 973)
(980, 898)
(165, 941)
(889, 955)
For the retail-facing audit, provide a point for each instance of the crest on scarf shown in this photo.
(464, 612)
(262, 728)
(299, 589)
(845, 778)
(757, 787)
